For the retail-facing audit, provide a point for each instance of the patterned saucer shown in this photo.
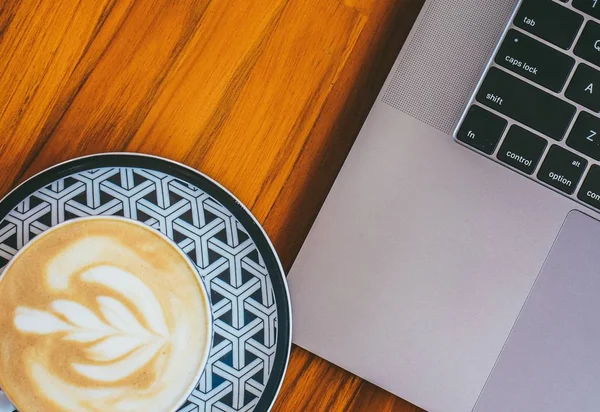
(247, 286)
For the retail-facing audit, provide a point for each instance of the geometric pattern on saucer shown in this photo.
(242, 298)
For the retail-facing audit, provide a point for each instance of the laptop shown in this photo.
(456, 260)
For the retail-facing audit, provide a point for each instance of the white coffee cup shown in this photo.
(102, 313)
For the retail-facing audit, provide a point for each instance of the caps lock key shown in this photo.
(534, 60)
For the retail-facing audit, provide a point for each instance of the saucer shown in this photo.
(233, 255)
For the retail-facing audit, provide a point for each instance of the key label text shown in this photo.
(518, 158)
(593, 195)
(520, 64)
(560, 178)
(495, 99)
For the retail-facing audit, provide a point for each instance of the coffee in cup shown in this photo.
(102, 314)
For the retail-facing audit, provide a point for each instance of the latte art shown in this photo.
(121, 341)
(101, 314)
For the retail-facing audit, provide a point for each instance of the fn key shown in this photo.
(481, 129)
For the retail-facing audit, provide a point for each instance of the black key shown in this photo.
(534, 60)
(591, 7)
(585, 135)
(585, 87)
(562, 169)
(550, 21)
(481, 129)
(590, 189)
(588, 45)
(522, 149)
(526, 103)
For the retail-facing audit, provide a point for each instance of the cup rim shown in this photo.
(203, 289)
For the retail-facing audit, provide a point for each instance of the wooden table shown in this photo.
(265, 96)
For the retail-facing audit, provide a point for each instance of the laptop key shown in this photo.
(585, 135)
(562, 169)
(550, 21)
(534, 60)
(481, 129)
(522, 149)
(590, 189)
(526, 103)
(585, 87)
(588, 45)
(591, 7)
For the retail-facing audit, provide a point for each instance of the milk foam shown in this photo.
(102, 324)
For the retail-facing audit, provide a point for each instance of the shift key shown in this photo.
(526, 103)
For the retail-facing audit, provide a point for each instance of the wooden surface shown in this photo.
(265, 96)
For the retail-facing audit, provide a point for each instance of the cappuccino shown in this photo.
(101, 314)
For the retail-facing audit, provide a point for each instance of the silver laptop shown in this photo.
(456, 260)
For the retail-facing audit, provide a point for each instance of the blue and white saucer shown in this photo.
(247, 286)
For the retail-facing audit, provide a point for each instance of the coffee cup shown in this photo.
(102, 313)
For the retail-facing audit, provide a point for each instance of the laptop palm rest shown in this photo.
(551, 359)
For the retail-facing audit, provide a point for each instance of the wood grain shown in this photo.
(265, 96)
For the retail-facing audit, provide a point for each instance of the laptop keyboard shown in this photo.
(537, 108)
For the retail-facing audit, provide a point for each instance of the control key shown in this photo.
(590, 190)
(522, 149)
